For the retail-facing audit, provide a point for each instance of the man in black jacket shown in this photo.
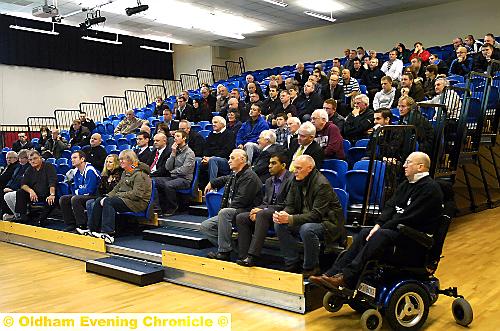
(410, 115)
(415, 90)
(22, 143)
(142, 148)
(242, 191)
(95, 154)
(305, 144)
(159, 156)
(13, 179)
(252, 226)
(79, 134)
(267, 146)
(310, 102)
(8, 171)
(359, 121)
(184, 110)
(301, 75)
(218, 147)
(87, 122)
(313, 212)
(195, 140)
(417, 203)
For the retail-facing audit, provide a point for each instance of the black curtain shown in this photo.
(67, 51)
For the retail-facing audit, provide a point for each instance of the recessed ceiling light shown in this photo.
(322, 6)
(277, 3)
(107, 41)
(156, 49)
(320, 16)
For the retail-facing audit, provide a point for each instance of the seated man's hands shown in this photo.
(253, 213)
(208, 188)
(280, 217)
(373, 230)
(50, 199)
(33, 196)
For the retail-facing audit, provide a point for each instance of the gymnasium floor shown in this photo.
(34, 281)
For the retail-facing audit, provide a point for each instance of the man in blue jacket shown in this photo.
(84, 188)
(250, 131)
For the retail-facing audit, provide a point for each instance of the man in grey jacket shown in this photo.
(242, 191)
(180, 168)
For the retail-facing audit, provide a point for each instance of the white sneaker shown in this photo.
(108, 239)
(83, 232)
(8, 217)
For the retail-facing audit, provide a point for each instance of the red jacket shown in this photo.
(331, 141)
(424, 56)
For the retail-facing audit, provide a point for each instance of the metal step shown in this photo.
(132, 271)
(177, 237)
(198, 210)
(182, 221)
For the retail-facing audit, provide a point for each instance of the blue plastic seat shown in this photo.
(118, 136)
(51, 160)
(62, 189)
(196, 127)
(363, 88)
(63, 169)
(362, 143)
(115, 123)
(75, 148)
(145, 213)
(66, 154)
(100, 128)
(210, 127)
(334, 179)
(203, 124)
(122, 141)
(204, 133)
(62, 161)
(213, 201)
(355, 185)
(344, 200)
(347, 145)
(123, 147)
(194, 183)
(355, 154)
(61, 178)
(110, 148)
(110, 128)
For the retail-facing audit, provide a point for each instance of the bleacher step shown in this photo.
(198, 210)
(132, 271)
(182, 221)
(178, 237)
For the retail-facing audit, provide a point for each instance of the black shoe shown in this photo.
(223, 256)
(306, 273)
(295, 268)
(70, 228)
(249, 261)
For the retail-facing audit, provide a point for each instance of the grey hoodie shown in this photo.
(384, 100)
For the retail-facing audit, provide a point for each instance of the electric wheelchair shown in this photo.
(402, 293)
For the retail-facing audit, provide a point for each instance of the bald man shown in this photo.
(130, 123)
(159, 156)
(242, 192)
(417, 203)
(95, 154)
(313, 213)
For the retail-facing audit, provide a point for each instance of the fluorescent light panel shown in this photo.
(103, 40)
(321, 6)
(320, 16)
(277, 3)
(157, 49)
(23, 28)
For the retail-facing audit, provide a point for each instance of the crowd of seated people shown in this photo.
(253, 141)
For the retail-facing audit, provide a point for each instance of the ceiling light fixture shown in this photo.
(135, 10)
(320, 16)
(93, 18)
(107, 41)
(23, 28)
(277, 3)
(157, 49)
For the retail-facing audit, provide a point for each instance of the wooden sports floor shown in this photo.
(34, 281)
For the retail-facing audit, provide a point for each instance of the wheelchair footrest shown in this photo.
(450, 292)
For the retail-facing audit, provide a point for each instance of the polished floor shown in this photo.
(34, 281)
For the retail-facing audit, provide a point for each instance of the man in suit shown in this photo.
(183, 111)
(252, 226)
(267, 146)
(306, 145)
(301, 75)
(195, 140)
(159, 156)
(142, 149)
(167, 119)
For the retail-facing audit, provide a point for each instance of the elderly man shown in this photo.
(328, 135)
(95, 154)
(462, 65)
(242, 191)
(330, 105)
(450, 98)
(194, 139)
(292, 124)
(233, 104)
(313, 212)
(267, 147)
(22, 143)
(416, 203)
(253, 226)
(305, 145)
(207, 102)
(359, 120)
(410, 115)
(393, 67)
(301, 75)
(159, 156)
(84, 188)
(129, 124)
(250, 130)
(179, 174)
(222, 99)
(183, 111)
(309, 102)
(251, 80)
(218, 147)
(87, 122)
(142, 148)
(17, 164)
(38, 185)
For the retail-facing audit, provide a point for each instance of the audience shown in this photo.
(328, 135)
(410, 115)
(420, 52)
(129, 124)
(249, 132)
(393, 67)
(95, 154)
(22, 143)
(87, 122)
(359, 120)
(159, 156)
(267, 146)
(301, 75)
(462, 65)
(12, 180)
(218, 146)
(184, 110)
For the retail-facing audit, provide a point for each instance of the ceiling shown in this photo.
(213, 22)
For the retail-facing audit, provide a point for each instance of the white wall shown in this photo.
(436, 25)
(189, 58)
(37, 92)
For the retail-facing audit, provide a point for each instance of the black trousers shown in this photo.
(73, 209)
(251, 235)
(22, 200)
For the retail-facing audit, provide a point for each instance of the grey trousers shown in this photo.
(218, 229)
(10, 199)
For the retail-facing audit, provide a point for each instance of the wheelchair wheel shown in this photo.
(462, 311)
(408, 308)
(371, 320)
(332, 302)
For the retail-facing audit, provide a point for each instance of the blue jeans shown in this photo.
(310, 234)
(105, 215)
(217, 165)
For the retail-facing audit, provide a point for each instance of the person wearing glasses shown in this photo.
(17, 163)
(462, 65)
(417, 203)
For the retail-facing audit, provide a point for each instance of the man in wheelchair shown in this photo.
(417, 203)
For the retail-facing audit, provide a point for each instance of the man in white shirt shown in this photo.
(393, 67)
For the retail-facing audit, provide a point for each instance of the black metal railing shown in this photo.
(153, 91)
(205, 76)
(189, 82)
(172, 87)
(219, 73)
(114, 105)
(65, 117)
(94, 110)
(136, 99)
(235, 68)
(34, 123)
